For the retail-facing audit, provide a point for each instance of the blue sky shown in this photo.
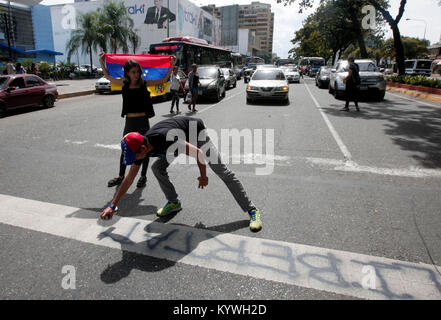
(288, 20)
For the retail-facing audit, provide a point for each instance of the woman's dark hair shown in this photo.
(351, 59)
(127, 67)
(18, 65)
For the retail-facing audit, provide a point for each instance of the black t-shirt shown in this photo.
(157, 134)
(355, 76)
(136, 100)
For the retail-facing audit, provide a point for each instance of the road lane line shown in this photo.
(347, 155)
(223, 100)
(330, 270)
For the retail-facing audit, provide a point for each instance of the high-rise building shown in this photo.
(255, 17)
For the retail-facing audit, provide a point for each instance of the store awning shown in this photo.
(47, 51)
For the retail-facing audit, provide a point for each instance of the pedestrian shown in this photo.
(34, 69)
(19, 69)
(193, 84)
(154, 143)
(352, 81)
(175, 86)
(10, 67)
(137, 108)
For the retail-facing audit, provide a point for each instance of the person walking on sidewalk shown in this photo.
(137, 108)
(193, 84)
(154, 143)
(352, 82)
(175, 85)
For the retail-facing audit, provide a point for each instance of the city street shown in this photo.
(347, 190)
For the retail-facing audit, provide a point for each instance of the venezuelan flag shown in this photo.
(153, 67)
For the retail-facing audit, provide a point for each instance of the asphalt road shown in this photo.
(362, 183)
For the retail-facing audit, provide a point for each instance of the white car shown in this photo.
(372, 81)
(268, 83)
(102, 85)
(292, 75)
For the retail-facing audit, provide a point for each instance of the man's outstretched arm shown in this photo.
(125, 185)
(195, 152)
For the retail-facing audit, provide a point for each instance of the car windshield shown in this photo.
(367, 66)
(291, 70)
(423, 64)
(3, 82)
(409, 64)
(268, 75)
(207, 73)
(325, 71)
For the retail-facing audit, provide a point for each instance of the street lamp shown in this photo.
(425, 26)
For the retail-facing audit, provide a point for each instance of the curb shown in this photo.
(415, 94)
(75, 94)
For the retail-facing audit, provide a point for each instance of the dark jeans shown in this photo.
(175, 98)
(135, 124)
(351, 95)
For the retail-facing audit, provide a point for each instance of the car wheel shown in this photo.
(218, 95)
(380, 96)
(330, 90)
(249, 101)
(235, 83)
(2, 111)
(48, 101)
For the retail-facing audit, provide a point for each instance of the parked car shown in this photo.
(230, 78)
(322, 77)
(418, 67)
(212, 82)
(291, 74)
(102, 85)
(372, 81)
(23, 90)
(268, 84)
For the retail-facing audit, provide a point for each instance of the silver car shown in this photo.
(268, 83)
(372, 81)
(322, 77)
(230, 78)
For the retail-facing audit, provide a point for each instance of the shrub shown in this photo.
(416, 81)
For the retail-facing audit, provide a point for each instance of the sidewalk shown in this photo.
(414, 93)
(74, 88)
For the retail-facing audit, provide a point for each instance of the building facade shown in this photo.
(256, 17)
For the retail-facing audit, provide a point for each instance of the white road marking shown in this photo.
(347, 155)
(223, 100)
(318, 268)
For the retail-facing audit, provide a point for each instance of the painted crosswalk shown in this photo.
(342, 272)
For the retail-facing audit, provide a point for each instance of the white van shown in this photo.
(418, 67)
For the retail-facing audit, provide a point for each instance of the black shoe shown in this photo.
(345, 109)
(142, 182)
(115, 182)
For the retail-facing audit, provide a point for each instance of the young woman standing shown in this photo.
(137, 107)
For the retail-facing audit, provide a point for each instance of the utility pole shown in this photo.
(5, 16)
(168, 18)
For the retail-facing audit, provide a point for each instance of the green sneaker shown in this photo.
(169, 207)
(255, 222)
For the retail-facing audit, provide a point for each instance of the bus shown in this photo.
(311, 65)
(238, 63)
(189, 50)
(283, 62)
(254, 61)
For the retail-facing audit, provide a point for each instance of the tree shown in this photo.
(114, 14)
(85, 36)
(382, 7)
(134, 40)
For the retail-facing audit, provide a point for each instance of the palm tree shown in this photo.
(85, 36)
(134, 40)
(115, 15)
